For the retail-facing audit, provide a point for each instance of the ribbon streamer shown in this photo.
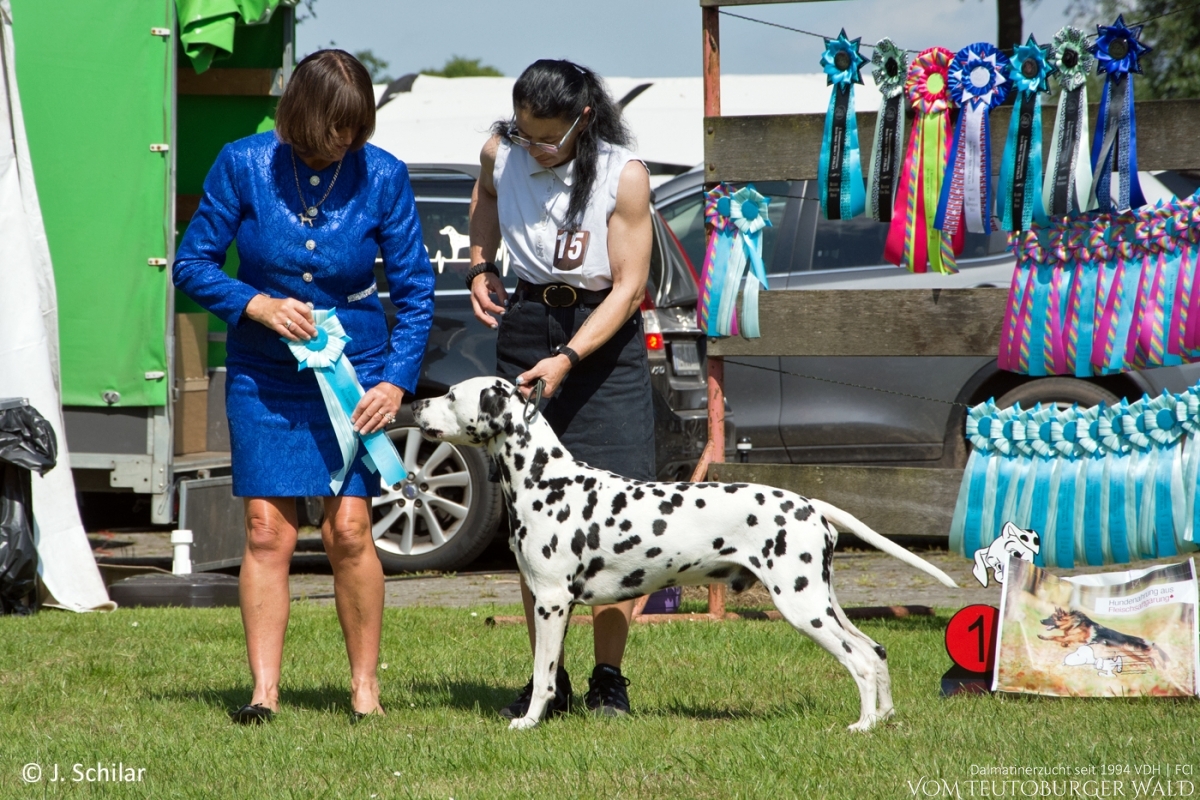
(889, 65)
(913, 242)
(722, 233)
(839, 175)
(1069, 174)
(340, 389)
(977, 84)
(748, 211)
(1117, 51)
(1020, 193)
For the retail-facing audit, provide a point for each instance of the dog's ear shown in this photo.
(494, 416)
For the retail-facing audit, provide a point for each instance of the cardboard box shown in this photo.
(191, 416)
(191, 346)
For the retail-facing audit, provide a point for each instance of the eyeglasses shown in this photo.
(552, 149)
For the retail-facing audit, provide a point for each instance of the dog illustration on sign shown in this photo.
(1012, 542)
(1085, 656)
(1077, 628)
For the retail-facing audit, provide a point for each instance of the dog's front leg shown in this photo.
(549, 630)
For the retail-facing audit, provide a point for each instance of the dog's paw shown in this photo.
(862, 725)
(522, 724)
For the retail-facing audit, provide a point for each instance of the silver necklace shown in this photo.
(310, 212)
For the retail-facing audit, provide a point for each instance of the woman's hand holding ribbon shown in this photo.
(288, 317)
(377, 409)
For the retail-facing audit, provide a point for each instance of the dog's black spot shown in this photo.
(751, 520)
(699, 502)
(760, 498)
(685, 567)
(625, 525)
(776, 588)
(718, 543)
(654, 551)
(754, 560)
(519, 461)
(826, 561)
(593, 537)
(780, 521)
(590, 507)
(722, 572)
(546, 551)
(608, 523)
(847, 648)
(801, 583)
(556, 453)
(638, 494)
(576, 588)
(743, 580)
(628, 544)
(806, 558)
(731, 488)
(593, 568)
(786, 506)
(803, 513)
(659, 527)
(540, 459)
(781, 543)
(677, 500)
(770, 564)
(634, 578)
(579, 479)
(816, 623)
(728, 551)
(881, 652)
(767, 547)
(564, 514)
(618, 502)
(589, 484)
(554, 543)
(537, 505)
(577, 543)
(658, 493)
(683, 487)
(665, 507)
(588, 595)
(777, 493)
(543, 613)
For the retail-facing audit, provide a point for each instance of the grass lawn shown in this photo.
(742, 709)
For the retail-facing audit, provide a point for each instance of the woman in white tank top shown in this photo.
(572, 204)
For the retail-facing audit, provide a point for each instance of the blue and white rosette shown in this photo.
(1070, 493)
(1117, 51)
(977, 83)
(1191, 461)
(1020, 190)
(339, 385)
(1122, 509)
(1038, 501)
(1091, 524)
(1008, 437)
(975, 493)
(749, 211)
(839, 175)
(1163, 504)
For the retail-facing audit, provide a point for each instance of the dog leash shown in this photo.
(533, 401)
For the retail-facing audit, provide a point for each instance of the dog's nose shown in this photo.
(417, 405)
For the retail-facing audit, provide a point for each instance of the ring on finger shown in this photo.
(288, 324)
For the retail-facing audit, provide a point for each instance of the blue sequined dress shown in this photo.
(282, 441)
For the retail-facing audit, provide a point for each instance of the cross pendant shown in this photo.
(306, 220)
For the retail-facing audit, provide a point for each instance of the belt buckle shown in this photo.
(551, 292)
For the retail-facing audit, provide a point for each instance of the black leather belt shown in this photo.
(559, 295)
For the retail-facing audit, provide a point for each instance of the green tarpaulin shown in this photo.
(207, 26)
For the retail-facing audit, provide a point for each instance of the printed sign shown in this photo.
(1118, 634)
(569, 249)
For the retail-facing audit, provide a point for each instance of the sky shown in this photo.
(645, 38)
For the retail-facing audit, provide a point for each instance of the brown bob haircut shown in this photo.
(329, 89)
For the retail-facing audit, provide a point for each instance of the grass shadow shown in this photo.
(327, 697)
(465, 695)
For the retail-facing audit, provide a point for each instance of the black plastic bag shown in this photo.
(27, 442)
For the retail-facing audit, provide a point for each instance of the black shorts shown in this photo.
(603, 412)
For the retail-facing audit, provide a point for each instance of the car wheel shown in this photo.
(1063, 392)
(443, 515)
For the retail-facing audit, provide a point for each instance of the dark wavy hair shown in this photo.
(329, 89)
(552, 89)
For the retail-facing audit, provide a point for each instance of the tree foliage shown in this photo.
(463, 67)
(375, 65)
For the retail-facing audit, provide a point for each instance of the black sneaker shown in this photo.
(561, 703)
(606, 692)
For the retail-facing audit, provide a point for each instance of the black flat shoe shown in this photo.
(255, 714)
(358, 716)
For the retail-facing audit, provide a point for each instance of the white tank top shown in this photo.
(532, 204)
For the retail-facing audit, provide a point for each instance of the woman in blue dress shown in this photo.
(310, 206)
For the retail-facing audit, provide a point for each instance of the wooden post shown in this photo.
(714, 450)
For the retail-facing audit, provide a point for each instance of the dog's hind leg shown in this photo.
(883, 680)
(549, 630)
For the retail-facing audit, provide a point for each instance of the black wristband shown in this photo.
(571, 355)
(479, 269)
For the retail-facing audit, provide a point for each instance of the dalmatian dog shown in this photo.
(1013, 541)
(587, 536)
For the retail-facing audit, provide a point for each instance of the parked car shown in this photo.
(788, 418)
(448, 511)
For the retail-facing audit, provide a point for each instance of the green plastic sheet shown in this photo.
(207, 26)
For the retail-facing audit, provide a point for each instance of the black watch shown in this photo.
(477, 270)
(571, 355)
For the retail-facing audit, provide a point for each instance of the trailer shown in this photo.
(127, 105)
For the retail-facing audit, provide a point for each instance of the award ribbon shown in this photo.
(323, 354)
(977, 83)
(1069, 175)
(1021, 170)
(748, 212)
(913, 241)
(1117, 51)
(889, 66)
(722, 232)
(839, 175)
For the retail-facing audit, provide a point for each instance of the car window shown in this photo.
(444, 225)
(859, 242)
(685, 216)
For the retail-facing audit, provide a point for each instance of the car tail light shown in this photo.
(650, 326)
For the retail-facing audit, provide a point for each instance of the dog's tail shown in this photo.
(848, 521)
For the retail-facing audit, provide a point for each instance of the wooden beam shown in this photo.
(230, 82)
(895, 501)
(904, 322)
(783, 147)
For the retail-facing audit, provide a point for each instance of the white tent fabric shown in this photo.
(446, 120)
(29, 365)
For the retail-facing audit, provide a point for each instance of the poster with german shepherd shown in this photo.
(1119, 634)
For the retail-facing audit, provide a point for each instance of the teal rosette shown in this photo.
(1020, 189)
(1036, 492)
(1118, 53)
(1191, 460)
(748, 210)
(889, 67)
(1069, 173)
(1162, 421)
(977, 492)
(1091, 487)
(839, 173)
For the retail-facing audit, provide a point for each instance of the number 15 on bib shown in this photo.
(570, 247)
